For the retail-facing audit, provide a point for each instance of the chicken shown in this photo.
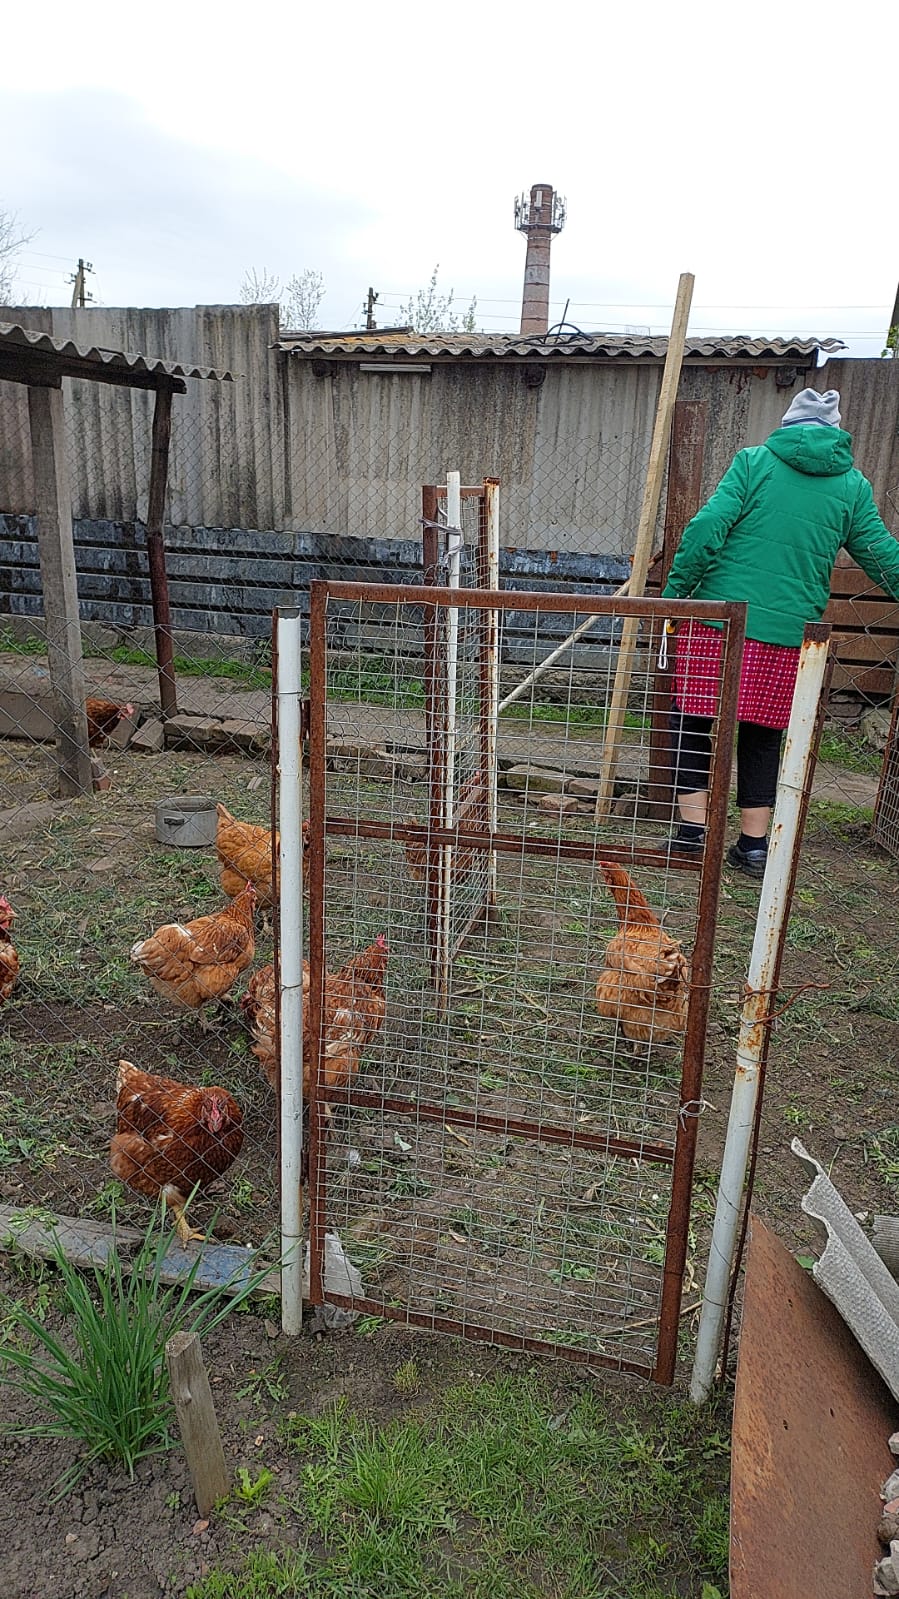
(354, 1008)
(199, 961)
(644, 985)
(417, 858)
(9, 958)
(171, 1139)
(245, 852)
(103, 717)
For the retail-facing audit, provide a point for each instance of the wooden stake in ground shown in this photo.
(197, 1421)
(643, 547)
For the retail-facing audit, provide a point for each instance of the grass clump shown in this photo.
(104, 1385)
(506, 1489)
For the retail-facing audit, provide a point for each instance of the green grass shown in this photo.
(101, 1382)
(505, 1490)
(852, 754)
(242, 673)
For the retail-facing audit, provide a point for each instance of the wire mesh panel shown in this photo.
(885, 830)
(516, 1162)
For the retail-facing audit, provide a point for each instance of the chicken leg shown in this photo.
(183, 1228)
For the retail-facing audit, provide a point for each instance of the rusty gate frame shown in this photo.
(679, 1156)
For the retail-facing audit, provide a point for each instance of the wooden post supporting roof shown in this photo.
(56, 552)
(159, 583)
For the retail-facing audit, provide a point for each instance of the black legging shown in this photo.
(758, 758)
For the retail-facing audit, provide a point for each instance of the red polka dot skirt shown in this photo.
(767, 676)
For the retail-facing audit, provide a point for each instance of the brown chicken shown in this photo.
(417, 858)
(644, 986)
(354, 1008)
(9, 958)
(195, 962)
(245, 852)
(103, 717)
(171, 1139)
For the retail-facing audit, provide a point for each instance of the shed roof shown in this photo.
(27, 350)
(406, 344)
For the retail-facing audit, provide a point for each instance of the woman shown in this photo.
(769, 535)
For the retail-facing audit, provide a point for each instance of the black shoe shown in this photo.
(750, 861)
(675, 845)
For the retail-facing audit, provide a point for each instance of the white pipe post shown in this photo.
(491, 710)
(290, 824)
(772, 913)
(454, 560)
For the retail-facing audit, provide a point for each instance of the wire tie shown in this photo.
(692, 1108)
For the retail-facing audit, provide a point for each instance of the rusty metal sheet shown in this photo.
(811, 1423)
(396, 342)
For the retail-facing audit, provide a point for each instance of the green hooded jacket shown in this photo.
(771, 531)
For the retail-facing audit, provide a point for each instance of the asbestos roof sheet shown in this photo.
(76, 361)
(404, 343)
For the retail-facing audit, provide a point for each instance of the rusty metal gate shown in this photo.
(500, 1161)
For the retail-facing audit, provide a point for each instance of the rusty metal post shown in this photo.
(677, 1239)
(685, 462)
(755, 1019)
(159, 582)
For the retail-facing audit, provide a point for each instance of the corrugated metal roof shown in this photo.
(405, 342)
(13, 336)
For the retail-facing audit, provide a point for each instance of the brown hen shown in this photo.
(171, 1138)
(354, 1008)
(245, 852)
(644, 986)
(9, 957)
(191, 963)
(103, 717)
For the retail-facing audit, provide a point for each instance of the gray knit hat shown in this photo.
(810, 406)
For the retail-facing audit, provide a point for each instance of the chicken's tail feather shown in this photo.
(631, 904)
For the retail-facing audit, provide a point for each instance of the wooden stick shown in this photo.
(197, 1420)
(159, 583)
(643, 547)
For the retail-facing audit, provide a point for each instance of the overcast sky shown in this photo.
(177, 145)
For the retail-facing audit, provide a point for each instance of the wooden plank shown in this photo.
(863, 612)
(877, 683)
(649, 511)
(61, 617)
(197, 1421)
(874, 647)
(88, 1243)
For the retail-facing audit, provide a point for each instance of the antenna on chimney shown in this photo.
(538, 218)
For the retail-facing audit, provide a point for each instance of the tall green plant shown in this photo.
(106, 1388)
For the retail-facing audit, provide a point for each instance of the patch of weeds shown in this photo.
(366, 1326)
(406, 1185)
(852, 754)
(101, 1381)
(267, 1381)
(883, 1151)
(407, 1377)
(252, 1490)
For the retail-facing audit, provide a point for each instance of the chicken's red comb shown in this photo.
(381, 941)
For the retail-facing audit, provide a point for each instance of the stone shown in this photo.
(559, 804)
(251, 738)
(886, 1573)
(583, 787)
(890, 1489)
(191, 732)
(894, 1444)
(875, 727)
(150, 737)
(124, 730)
(888, 1530)
(539, 778)
(27, 716)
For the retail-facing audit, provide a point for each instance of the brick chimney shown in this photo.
(538, 219)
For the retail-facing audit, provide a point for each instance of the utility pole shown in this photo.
(370, 323)
(80, 296)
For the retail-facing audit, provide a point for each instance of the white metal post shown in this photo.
(291, 957)
(772, 913)
(491, 710)
(454, 542)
